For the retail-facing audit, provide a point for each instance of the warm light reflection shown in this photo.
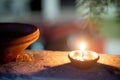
(83, 55)
(82, 46)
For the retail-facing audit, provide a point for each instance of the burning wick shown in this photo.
(84, 55)
(82, 46)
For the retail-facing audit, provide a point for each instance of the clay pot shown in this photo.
(14, 38)
(87, 64)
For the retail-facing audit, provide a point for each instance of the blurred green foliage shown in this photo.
(98, 10)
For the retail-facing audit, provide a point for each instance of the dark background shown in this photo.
(36, 4)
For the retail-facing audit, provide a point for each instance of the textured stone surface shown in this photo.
(55, 65)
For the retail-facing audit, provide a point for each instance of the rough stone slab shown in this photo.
(55, 65)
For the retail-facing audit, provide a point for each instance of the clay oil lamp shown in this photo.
(83, 59)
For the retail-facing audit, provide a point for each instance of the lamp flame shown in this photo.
(82, 46)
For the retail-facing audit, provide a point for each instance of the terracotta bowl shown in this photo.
(86, 64)
(14, 38)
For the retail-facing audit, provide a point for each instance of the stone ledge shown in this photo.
(55, 65)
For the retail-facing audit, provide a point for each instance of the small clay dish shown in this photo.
(14, 38)
(90, 62)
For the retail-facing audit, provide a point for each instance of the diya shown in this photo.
(83, 59)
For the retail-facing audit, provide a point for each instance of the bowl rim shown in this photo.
(25, 38)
